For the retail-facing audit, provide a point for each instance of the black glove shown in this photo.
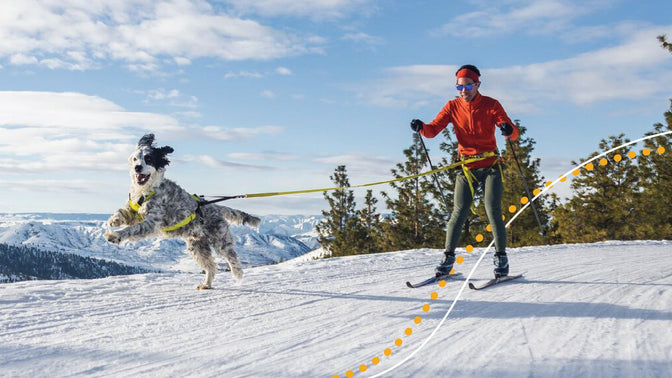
(506, 129)
(417, 125)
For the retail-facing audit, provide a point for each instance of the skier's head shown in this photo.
(468, 81)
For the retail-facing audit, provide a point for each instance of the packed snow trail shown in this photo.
(600, 309)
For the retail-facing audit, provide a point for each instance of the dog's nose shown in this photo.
(138, 168)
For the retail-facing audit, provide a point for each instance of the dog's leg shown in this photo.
(200, 251)
(224, 247)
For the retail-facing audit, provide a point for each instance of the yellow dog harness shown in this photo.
(136, 207)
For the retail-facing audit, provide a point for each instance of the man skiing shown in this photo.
(474, 118)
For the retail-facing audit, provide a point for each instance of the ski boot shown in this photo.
(501, 262)
(446, 265)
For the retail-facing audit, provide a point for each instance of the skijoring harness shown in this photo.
(199, 202)
(470, 175)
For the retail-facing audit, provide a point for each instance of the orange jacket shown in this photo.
(474, 123)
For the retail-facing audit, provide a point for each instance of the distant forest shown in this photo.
(20, 263)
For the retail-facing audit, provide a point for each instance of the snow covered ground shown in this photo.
(591, 310)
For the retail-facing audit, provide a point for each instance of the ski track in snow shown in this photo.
(598, 310)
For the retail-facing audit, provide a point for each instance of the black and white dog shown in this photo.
(159, 207)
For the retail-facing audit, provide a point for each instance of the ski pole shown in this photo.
(436, 181)
(527, 189)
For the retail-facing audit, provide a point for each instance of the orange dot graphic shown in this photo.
(536, 192)
(375, 361)
(349, 374)
(489, 228)
(512, 209)
(398, 342)
(576, 172)
(387, 351)
(661, 150)
(442, 283)
(459, 259)
(646, 152)
(524, 200)
(362, 368)
(563, 178)
(549, 184)
(590, 166)
(335, 376)
(503, 217)
(408, 331)
(470, 248)
(417, 320)
(618, 158)
(434, 295)
(479, 238)
(632, 154)
(452, 271)
(425, 308)
(603, 162)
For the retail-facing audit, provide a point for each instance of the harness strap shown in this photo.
(136, 206)
(469, 175)
(184, 222)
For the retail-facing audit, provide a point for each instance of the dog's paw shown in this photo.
(117, 219)
(203, 287)
(115, 222)
(112, 238)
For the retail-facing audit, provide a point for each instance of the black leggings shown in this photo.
(490, 181)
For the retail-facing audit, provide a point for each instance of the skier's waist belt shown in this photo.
(483, 155)
(470, 175)
(135, 206)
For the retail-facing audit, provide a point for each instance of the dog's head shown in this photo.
(147, 163)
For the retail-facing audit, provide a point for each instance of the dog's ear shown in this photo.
(146, 140)
(159, 155)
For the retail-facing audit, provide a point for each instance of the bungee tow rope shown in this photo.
(272, 194)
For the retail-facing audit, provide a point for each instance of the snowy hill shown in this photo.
(280, 238)
(582, 310)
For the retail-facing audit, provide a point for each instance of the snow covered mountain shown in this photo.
(582, 310)
(279, 238)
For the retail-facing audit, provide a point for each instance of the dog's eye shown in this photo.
(148, 159)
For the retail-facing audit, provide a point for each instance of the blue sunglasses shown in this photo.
(466, 87)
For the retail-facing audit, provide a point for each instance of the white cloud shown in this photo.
(162, 94)
(268, 94)
(637, 68)
(246, 74)
(283, 71)
(263, 156)
(528, 16)
(46, 132)
(363, 38)
(361, 164)
(238, 133)
(51, 111)
(319, 10)
(222, 164)
(78, 35)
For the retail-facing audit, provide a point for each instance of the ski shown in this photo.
(494, 281)
(432, 280)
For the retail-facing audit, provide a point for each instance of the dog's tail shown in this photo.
(239, 217)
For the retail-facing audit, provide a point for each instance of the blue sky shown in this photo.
(272, 95)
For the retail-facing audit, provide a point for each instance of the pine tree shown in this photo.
(370, 226)
(656, 175)
(415, 221)
(606, 203)
(337, 231)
